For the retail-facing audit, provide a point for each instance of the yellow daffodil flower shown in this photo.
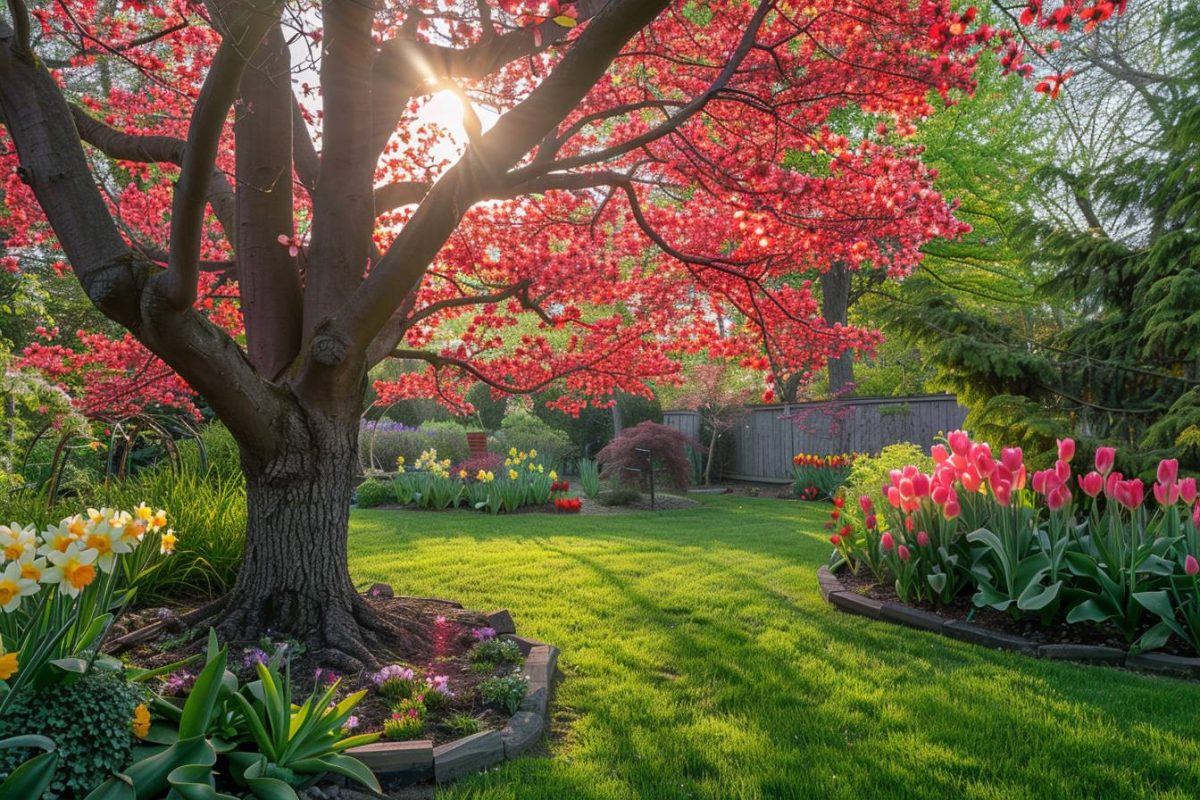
(13, 587)
(167, 544)
(73, 569)
(8, 664)
(141, 721)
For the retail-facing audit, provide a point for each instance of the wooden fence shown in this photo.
(764, 438)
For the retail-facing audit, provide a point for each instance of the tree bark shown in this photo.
(835, 307)
(294, 579)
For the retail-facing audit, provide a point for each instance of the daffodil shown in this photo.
(57, 538)
(512, 474)
(8, 664)
(166, 545)
(533, 453)
(553, 475)
(141, 721)
(512, 452)
(109, 541)
(13, 587)
(73, 569)
(32, 567)
(16, 541)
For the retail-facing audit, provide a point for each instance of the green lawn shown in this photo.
(700, 661)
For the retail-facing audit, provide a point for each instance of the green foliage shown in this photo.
(448, 438)
(489, 410)
(90, 723)
(463, 724)
(593, 428)
(505, 691)
(221, 455)
(372, 492)
(589, 477)
(868, 473)
(492, 653)
(33, 777)
(525, 432)
(407, 720)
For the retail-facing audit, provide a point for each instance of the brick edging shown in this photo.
(405, 763)
(834, 592)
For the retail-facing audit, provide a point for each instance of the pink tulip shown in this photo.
(893, 497)
(886, 543)
(1003, 493)
(939, 454)
(1196, 515)
(1167, 494)
(864, 502)
(1190, 565)
(908, 524)
(1092, 483)
(1130, 493)
(959, 442)
(1058, 497)
(1019, 480)
(981, 459)
(1110, 483)
(1187, 490)
(1039, 481)
(921, 485)
(940, 494)
(923, 539)
(1011, 458)
(970, 480)
(952, 510)
(871, 521)
(1105, 456)
(1062, 471)
(903, 553)
(906, 489)
(1066, 449)
(1168, 470)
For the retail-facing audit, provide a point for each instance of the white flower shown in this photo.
(13, 587)
(72, 570)
(16, 541)
(107, 539)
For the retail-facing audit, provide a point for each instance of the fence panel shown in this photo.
(764, 438)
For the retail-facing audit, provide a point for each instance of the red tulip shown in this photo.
(835, 540)
(903, 553)
(845, 530)
(1066, 449)
(1039, 480)
(1105, 456)
(886, 542)
(923, 539)
(1130, 493)
(835, 513)
(1168, 470)
(864, 502)
(1058, 497)
(1092, 483)
(1003, 493)
(1110, 483)
(839, 501)
(1011, 458)
(981, 458)
(871, 521)
(1062, 471)
(951, 510)
(1190, 565)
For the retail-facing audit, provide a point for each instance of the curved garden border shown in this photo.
(398, 764)
(835, 593)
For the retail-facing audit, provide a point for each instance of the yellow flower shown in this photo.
(491, 476)
(143, 512)
(8, 665)
(512, 474)
(141, 721)
(167, 545)
(462, 473)
(512, 451)
(533, 453)
(553, 475)
(399, 461)
(14, 586)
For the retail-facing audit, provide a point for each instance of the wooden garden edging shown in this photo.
(836, 593)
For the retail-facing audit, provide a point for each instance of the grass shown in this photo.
(701, 662)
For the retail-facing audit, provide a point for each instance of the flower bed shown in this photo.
(1122, 569)
(819, 477)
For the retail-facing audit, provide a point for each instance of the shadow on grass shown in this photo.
(702, 662)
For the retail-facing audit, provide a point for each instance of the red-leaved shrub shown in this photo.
(489, 462)
(668, 450)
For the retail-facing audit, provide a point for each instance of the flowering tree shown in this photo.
(259, 195)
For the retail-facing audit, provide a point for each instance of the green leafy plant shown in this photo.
(505, 691)
(407, 720)
(33, 777)
(371, 493)
(96, 708)
(492, 653)
(463, 724)
(589, 477)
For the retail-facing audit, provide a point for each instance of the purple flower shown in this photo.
(440, 684)
(392, 672)
(255, 655)
(351, 723)
(483, 634)
(327, 675)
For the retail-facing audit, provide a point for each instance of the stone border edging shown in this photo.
(405, 763)
(834, 592)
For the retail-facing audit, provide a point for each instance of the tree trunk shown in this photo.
(712, 453)
(294, 579)
(835, 306)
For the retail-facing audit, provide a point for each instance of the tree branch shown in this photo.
(246, 29)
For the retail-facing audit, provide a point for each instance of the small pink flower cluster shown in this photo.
(392, 672)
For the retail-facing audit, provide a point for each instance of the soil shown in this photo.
(452, 641)
(1058, 631)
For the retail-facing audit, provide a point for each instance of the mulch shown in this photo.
(1058, 631)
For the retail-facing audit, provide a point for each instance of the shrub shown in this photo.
(618, 495)
(448, 438)
(91, 723)
(506, 692)
(592, 429)
(492, 653)
(524, 432)
(371, 493)
(668, 449)
(491, 462)
(868, 473)
(381, 441)
(463, 724)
